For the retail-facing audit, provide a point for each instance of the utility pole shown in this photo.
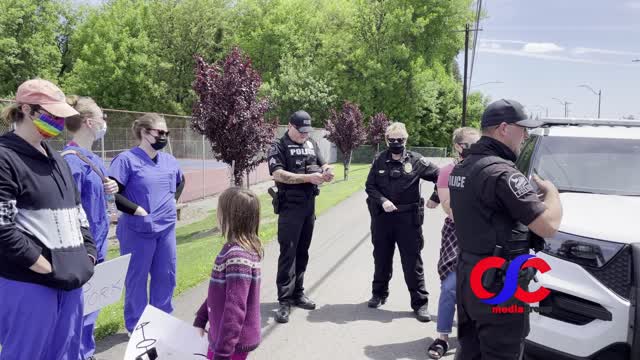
(599, 94)
(599, 102)
(464, 82)
(566, 106)
(467, 30)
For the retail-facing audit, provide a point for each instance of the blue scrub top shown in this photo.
(91, 188)
(149, 184)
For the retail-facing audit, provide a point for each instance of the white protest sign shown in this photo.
(106, 285)
(159, 335)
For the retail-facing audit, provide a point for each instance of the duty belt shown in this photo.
(407, 207)
(472, 259)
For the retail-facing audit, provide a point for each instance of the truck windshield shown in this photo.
(592, 165)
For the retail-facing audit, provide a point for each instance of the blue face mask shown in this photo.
(100, 133)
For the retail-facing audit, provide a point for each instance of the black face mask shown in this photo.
(160, 143)
(396, 148)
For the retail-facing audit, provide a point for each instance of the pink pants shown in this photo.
(238, 356)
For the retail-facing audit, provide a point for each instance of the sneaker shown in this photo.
(422, 314)
(376, 301)
(282, 315)
(304, 302)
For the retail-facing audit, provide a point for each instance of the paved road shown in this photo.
(339, 280)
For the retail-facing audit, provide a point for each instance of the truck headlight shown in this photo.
(583, 251)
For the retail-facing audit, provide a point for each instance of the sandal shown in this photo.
(437, 349)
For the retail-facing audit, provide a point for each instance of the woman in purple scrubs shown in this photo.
(90, 174)
(150, 182)
(46, 248)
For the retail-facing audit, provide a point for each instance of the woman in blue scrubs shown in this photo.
(150, 182)
(89, 174)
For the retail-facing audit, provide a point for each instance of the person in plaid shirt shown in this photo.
(462, 139)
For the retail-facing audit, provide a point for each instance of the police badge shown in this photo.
(408, 168)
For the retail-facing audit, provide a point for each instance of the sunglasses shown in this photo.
(162, 132)
(396, 140)
(464, 145)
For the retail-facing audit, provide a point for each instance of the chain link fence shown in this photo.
(205, 175)
(366, 153)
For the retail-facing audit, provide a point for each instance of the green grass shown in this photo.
(199, 243)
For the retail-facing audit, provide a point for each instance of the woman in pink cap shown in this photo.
(46, 249)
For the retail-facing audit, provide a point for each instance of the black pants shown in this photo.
(387, 230)
(295, 229)
(483, 334)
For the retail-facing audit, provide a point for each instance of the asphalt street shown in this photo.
(339, 279)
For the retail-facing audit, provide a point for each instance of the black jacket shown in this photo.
(41, 214)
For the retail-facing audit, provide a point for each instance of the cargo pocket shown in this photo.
(172, 182)
(71, 268)
(142, 224)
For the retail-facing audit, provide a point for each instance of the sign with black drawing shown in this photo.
(106, 285)
(159, 335)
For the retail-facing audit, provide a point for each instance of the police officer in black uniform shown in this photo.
(397, 214)
(497, 213)
(298, 168)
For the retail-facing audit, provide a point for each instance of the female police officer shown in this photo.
(397, 213)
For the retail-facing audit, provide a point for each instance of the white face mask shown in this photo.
(101, 132)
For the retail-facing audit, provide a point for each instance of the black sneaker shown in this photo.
(422, 314)
(376, 301)
(304, 302)
(282, 315)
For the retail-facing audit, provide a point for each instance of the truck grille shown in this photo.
(616, 275)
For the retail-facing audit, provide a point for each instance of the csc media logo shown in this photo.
(511, 287)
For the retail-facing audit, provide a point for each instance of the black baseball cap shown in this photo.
(507, 111)
(302, 121)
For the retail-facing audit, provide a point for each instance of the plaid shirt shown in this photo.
(448, 249)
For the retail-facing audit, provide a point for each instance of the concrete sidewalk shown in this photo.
(339, 279)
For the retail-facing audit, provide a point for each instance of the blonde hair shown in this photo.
(147, 122)
(397, 127)
(239, 218)
(85, 106)
(460, 134)
(12, 114)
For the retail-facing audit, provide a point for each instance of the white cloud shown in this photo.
(583, 50)
(546, 28)
(519, 42)
(542, 56)
(541, 48)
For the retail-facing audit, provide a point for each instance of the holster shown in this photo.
(419, 213)
(490, 277)
(375, 209)
(275, 199)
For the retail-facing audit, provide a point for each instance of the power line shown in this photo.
(475, 42)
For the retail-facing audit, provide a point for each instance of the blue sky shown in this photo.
(546, 48)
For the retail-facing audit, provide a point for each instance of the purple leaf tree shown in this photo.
(378, 124)
(346, 130)
(229, 113)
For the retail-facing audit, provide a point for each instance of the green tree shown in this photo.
(297, 87)
(182, 29)
(117, 62)
(29, 33)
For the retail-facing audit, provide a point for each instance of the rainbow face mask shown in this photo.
(49, 126)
